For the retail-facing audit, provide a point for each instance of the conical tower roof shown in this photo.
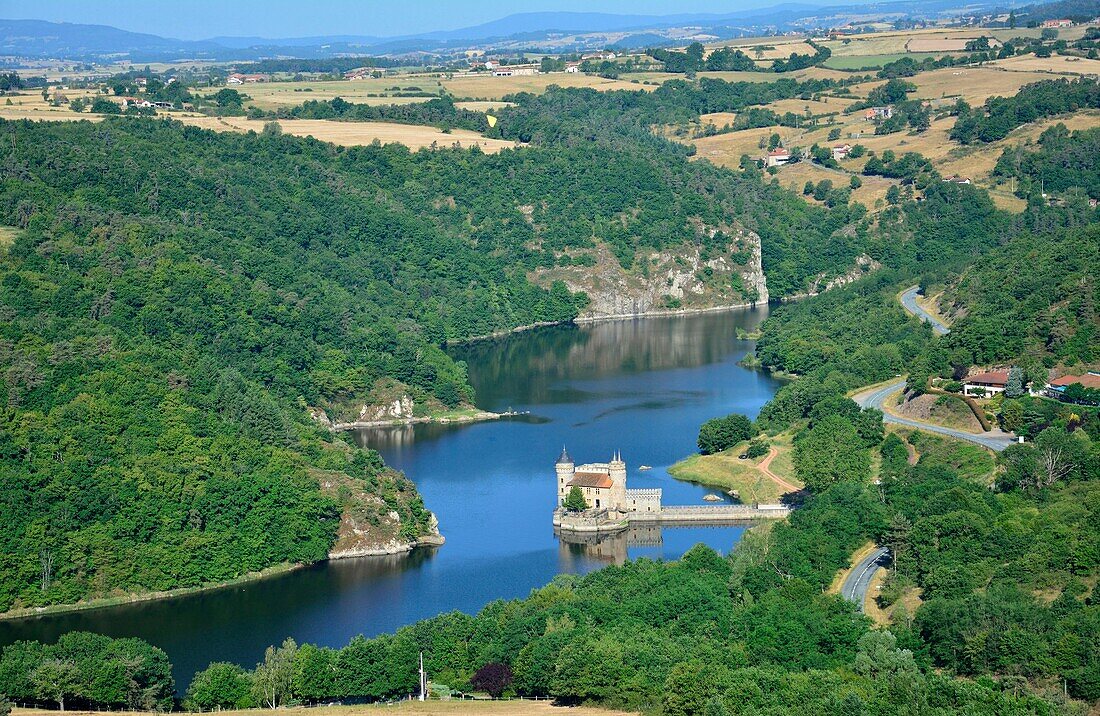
(564, 458)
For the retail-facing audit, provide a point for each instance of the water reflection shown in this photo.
(642, 387)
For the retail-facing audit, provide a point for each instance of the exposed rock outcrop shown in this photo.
(680, 279)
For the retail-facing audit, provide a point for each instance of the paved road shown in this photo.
(909, 303)
(855, 586)
(995, 440)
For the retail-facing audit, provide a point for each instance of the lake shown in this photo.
(642, 387)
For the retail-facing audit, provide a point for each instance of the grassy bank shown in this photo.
(749, 477)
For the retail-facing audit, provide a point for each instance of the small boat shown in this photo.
(712, 498)
(644, 467)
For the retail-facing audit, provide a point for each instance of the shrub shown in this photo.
(757, 448)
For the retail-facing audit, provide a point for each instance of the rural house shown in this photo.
(874, 113)
(840, 151)
(1057, 388)
(777, 157)
(986, 383)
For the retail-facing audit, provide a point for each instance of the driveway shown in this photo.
(855, 586)
(995, 440)
(909, 303)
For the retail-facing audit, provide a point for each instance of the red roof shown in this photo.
(993, 377)
(590, 479)
(1089, 380)
(779, 153)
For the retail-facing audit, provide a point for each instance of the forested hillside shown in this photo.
(176, 299)
(1036, 297)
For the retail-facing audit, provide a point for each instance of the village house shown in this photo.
(840, 151)
(1061, 22)
(956, 179)
(599, 56)
(879, 112)
(987, 383)
(515, 70)
(238, 79)
(359, 73)
(132, 102)
(1056, 388)
(572, 67)
(777, 157)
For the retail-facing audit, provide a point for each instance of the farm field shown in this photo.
(495, 88)
(872, 194)
(270, 95)
(1054, 63)
(356, 133)
(974, 84)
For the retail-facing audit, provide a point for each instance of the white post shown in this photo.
(422, 684)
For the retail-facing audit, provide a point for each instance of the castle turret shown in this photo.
(617, 472)
(564, 468)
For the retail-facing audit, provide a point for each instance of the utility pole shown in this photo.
(423, 680)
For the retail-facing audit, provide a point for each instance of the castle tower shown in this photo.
(564, 468)
(617, 472)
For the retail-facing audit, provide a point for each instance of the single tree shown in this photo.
(493, 678)
(1014, 388)
(574, 501)
(273, 676)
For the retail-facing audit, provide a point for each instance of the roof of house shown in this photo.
(779, 153)
(993, 377)
(590, 479)
(1089, 380)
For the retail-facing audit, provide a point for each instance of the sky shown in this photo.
(200, 19)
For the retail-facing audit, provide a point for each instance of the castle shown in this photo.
(603, 485)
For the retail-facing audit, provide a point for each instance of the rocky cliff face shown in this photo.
(683, 278)
(372, 525)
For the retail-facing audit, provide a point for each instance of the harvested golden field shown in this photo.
(357, 133)
(974, 84)
(726, 149)
(482, 106)
(826, 105)
(897, 41)
(1055, 63)
(403, 708)
(489, 88)
(871, 194)
(52, 114)
(269, 95)
(941, 44)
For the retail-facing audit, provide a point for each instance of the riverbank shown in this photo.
(472, 415)
(388, 550)
(665, 313)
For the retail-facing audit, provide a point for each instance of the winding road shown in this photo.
(909, 302)
(855, 586)
(995, 440)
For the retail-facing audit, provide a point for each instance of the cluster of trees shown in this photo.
(718, 434)
(439, 112)
(85, 670)
(694, 59)
(1063, 163)
(1000, 115)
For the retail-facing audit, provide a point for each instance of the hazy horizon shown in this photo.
(202, 19)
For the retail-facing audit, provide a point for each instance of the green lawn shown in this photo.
(725, 471)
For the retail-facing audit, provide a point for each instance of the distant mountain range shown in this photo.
(561, 31)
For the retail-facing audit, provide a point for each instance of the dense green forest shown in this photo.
(1037, 297)
(1064, 163)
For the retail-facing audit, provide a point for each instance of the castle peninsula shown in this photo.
(611, 507)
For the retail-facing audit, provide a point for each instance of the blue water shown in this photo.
(641, 387)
